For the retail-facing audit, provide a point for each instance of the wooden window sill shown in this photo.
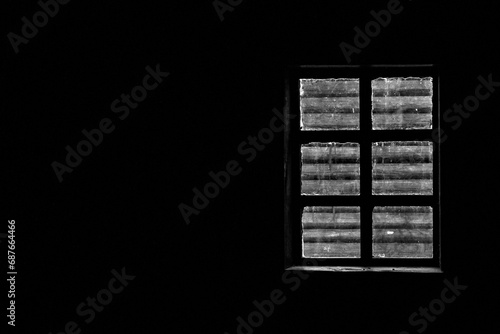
(433, 270)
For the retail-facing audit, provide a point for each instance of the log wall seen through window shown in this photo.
(329, 104)
(330, 169)
(402, 103)
(330, 231)
(402, 168)
(402, 232)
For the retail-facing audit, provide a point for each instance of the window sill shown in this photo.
(431, 270)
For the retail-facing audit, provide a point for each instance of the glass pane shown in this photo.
(330, 231)
(402, 232)
(330, 169)
(329, 104)
(402, 103)
(402, 168)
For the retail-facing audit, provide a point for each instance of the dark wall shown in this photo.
(120, 206)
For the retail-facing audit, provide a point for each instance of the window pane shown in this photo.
(329, 104)
(402, 231)
(330, 169)
(402, 168)
(402, 103)
(330, 231)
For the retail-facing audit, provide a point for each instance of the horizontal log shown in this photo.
(330, 220)
(330, 217)
(401, 187)
(405, 176)
(403, 225)
(331, 236)
(401, 102)
(333, 145)
(400, 168)
(331, 226)
(338, 168)
(331, 121)
(330, 171)
(402, 110)
(333, 159)
(326, 152)
(330, 176)
(402, 171)
(340, 112)
(379, 236)
(330, 209)
(403, 143)
(402, 235)
(413, 219)
(329, 250)
(403, 158)
(330, 187)
(402, 92)
(402, 149)
(401, 121)
(407, 250)
(399, 83)
(402, 209)
(329, 87)
(331, 94)
(332, 103)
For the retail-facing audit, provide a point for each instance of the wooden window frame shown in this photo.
(365, 136)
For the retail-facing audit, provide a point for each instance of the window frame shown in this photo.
(365, 136)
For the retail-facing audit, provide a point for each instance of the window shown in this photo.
(361, 168)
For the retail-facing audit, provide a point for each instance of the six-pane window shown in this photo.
(366, 165)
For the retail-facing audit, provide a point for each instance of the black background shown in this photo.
(119, 207)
